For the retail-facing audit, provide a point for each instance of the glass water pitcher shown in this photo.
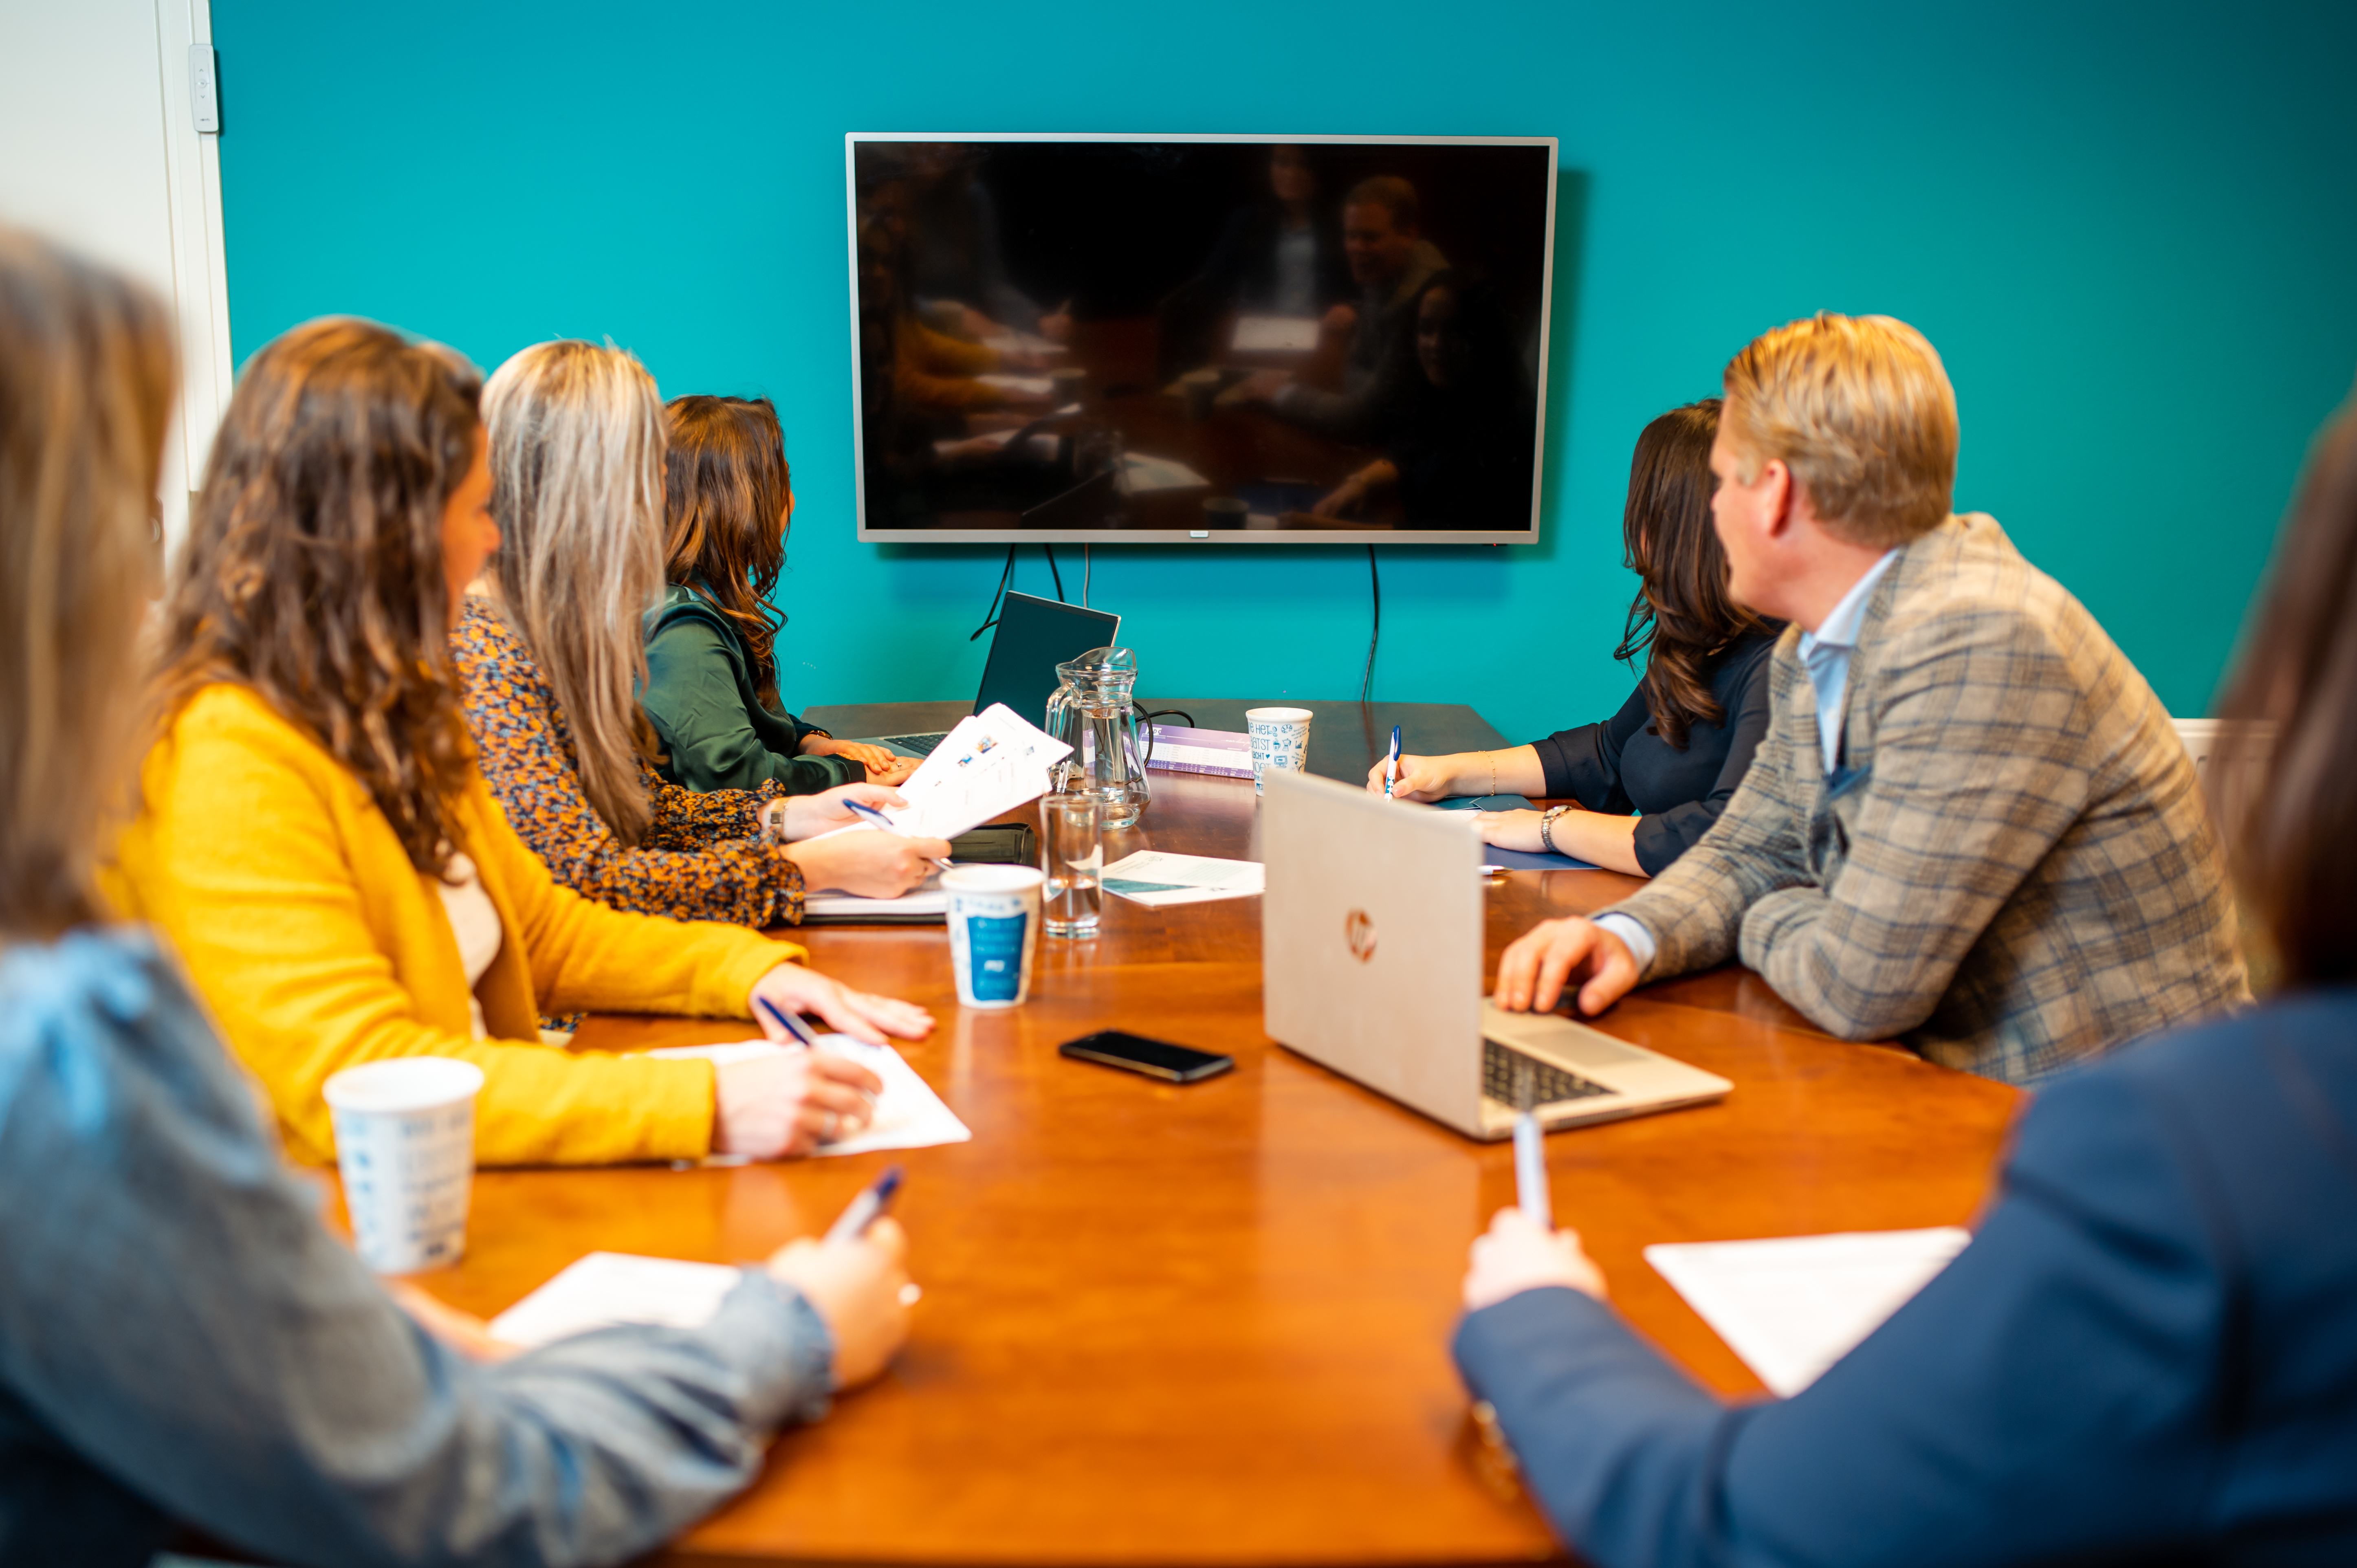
(1092, 711)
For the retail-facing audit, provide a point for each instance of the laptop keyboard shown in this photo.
(923, 745)
(1501, 1065)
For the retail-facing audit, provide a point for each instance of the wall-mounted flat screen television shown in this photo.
(1148, 340)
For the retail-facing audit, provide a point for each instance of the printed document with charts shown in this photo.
(990, 764)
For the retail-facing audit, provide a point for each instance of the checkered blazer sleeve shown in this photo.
(1978, 767)
(1694, 910)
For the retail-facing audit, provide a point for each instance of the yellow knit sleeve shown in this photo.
(238, 859)
(586, 957)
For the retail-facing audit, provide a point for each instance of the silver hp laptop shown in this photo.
(1370, 952)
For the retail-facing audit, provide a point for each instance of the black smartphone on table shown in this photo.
(1155, 1058)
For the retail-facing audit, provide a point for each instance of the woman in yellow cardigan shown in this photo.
(313, 834)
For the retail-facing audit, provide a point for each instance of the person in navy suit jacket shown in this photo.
(2148, 1354)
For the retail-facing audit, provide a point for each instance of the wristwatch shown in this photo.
(1546, 827)
(773, 823)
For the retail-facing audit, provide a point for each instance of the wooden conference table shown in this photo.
(1209, 1325)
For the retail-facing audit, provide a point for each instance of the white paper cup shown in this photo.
(1280, 739)
(406, 1142)
(993, 931)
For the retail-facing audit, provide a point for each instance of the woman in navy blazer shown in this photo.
(1653, 778)
(2149, 1351)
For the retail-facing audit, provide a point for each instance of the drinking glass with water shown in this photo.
(1072, 853)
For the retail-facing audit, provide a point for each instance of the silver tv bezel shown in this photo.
(851, 142)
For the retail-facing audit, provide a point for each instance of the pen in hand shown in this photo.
(1529, 1152)
(796, 1030)
(866, 1208)
(1391, 766)
(875, 817)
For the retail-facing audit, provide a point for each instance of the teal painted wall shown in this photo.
(2128, 228)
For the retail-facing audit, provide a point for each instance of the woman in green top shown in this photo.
(712, 676)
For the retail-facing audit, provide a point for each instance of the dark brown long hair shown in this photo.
(1682, 617)
(313, 570)
(725, 486)
(2291, 820)
(86, 376)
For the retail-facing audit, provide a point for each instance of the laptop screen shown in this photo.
(1035, 636)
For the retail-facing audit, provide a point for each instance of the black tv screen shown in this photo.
(1103, 339)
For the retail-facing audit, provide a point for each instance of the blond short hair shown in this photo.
(1859, 408)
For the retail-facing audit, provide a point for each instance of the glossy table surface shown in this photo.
(1209, 1324)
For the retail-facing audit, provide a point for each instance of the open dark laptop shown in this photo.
(1034, 636)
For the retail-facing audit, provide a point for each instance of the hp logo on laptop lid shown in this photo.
(1359, 934)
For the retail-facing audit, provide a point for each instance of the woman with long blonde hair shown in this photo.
(550, 652)
(182, 1341)
(315, 837)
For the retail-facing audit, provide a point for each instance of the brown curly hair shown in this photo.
(724, 486)
(313, 568)
(1682, 617)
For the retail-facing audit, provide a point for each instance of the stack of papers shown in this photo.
(1159, 881)
(909, 1114)
(926, 899)
(1179, 749)
(608, 1288)
(1793, 1306)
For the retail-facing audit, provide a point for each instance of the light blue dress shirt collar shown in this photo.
(1826, 651)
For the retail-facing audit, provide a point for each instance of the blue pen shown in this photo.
(865, 1209)
(869, 814)
(1391, 768)
(788, 1022)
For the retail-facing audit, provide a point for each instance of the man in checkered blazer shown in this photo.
(1971, 826)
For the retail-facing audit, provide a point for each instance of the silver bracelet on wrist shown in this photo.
(1546, 827)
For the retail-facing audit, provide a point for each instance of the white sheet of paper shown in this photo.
(1141, 473)
(1792, 1306)
(1275, 334)
(991, 763)
(909, 1114)
(1158, 880)
(1034, 386)
(607, 1288)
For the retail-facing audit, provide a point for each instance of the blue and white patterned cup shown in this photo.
(993, 931)
(1280, 739)
(405, 1144)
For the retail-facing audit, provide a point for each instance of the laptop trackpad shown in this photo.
(1558, 1039)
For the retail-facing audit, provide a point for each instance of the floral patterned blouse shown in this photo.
(701, 859)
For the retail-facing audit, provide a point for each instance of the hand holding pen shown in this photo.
(876, 819)
(858, 1282)
(1391, 763)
